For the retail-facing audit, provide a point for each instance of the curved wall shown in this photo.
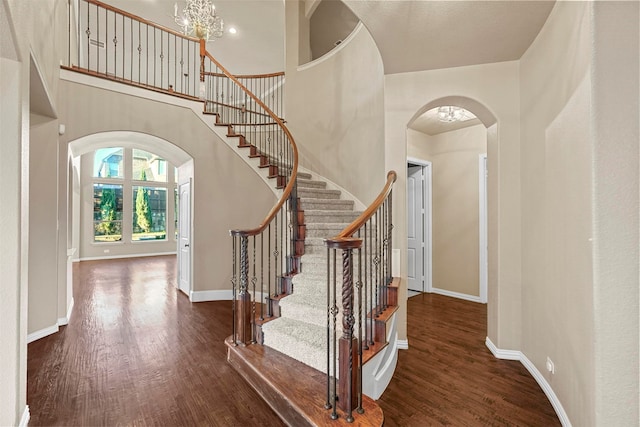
(335, 110)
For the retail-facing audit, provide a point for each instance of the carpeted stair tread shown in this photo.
(302, 341)
(310, 183)
(318, 193)
(316, 203)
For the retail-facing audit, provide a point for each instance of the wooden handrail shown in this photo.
(233, 107)
(294, 174)
(345, 237)
(142, 20)
(245, 76)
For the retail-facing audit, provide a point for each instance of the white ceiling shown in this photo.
(411, 35)
(425, 34)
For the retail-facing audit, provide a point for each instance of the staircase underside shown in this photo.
(295, 391)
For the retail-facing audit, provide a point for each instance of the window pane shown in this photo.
(107, 163)
(149, 213)
(107, 213)
(149, 167)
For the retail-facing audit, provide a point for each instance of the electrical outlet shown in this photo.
(106, 251)
(550, 366)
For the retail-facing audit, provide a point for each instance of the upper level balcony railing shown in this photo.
(108, 42)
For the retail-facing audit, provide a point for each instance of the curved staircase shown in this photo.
(279, 274)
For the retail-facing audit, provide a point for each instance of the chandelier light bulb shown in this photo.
(199, 19)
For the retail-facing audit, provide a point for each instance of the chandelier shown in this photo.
(451, 114)
(199, 19)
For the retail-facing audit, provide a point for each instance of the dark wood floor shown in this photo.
(449, 377)
(137, 352)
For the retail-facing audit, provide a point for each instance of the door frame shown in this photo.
(427, 285)
(483, 225)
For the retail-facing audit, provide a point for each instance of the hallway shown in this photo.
(137, 352)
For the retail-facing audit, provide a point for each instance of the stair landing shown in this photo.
(295, 391)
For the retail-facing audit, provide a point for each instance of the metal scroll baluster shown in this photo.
(334, 314)
(360, 319)
(328, 404)
(234, 286)
(254, 280)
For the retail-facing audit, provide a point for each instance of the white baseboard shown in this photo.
(458, 295)
(503, 354)
(98, 258)
(26, 416)
(220, 295)
(536, 374)
(402, 344)
(42, 333)
(202, 296)
(62, 321)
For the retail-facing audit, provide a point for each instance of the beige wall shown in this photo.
(454, 157)
(580, 209)
(335, 110)
(615, 75)
(43, 232)
(556, 215)
(219, 173)
(492, 91)
(13, 296)
(31, 28)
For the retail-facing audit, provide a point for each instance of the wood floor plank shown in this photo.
(449, 377)
(137, 352)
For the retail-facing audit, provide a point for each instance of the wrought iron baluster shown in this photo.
(334, 313)
(358, 285)
(234, 284)
(254, 279)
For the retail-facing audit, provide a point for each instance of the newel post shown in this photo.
(348, 389)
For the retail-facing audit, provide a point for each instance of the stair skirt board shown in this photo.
(378, 371)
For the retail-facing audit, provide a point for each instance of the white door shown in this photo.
(184, 239)
(415, 228)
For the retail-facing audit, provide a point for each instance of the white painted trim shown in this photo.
(453, 294)
(482, 218)
(62, 321)
(333, 51)
(219, 295)
(427, 197)
(202, 296)
(42, 333)
(536, 374)
(502, 354)
(26, 416)
(402, 344)
(97, 258)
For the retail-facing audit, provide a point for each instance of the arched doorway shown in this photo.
(461, 198)
(131, 146)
